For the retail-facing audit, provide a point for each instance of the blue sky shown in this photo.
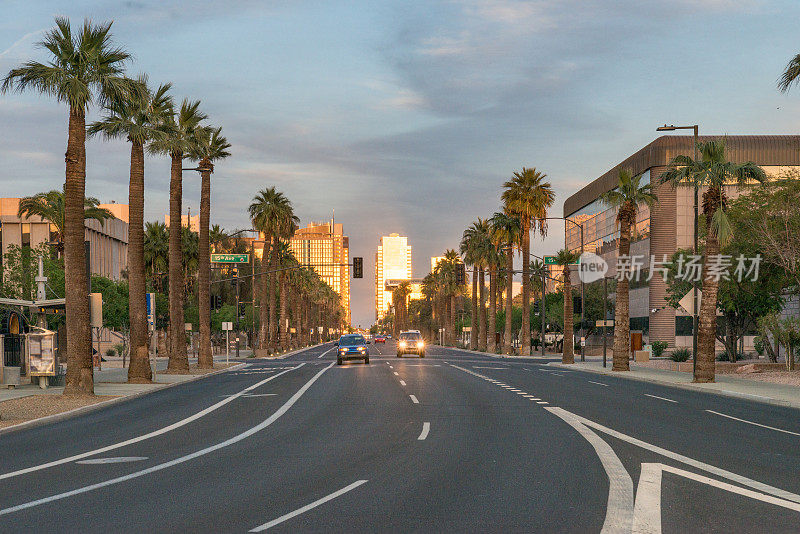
(407, 116)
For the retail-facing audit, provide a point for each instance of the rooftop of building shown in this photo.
(760, 149)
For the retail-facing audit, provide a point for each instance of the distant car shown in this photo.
(410, 342)
(352, 347)
(380, 339)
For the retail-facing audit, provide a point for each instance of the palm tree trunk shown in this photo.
(707, 329)
(452, 320)
(475, 326)
(526, 288)
(482, 310)
(205, 359)
(622, 325)
(139, 369)
(508, 341)
(283, 326)
(80, 374)
(263, 311)
(491, 327)
(568, 350)
(178, 359)
(273, 286)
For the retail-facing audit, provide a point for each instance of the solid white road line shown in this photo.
(308, 507)
(426, 427)
(753, 423)
(477, 367)
(541, 402)
(164, 430)
(619, 511)
(326, 352)
(235, 439)
(661, 398)
(402, 383)
(598, 383)
(114, 460)
(414, 399)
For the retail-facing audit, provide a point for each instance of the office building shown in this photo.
(324, 247)
(392, 262)
(669, 226)
(187, 221)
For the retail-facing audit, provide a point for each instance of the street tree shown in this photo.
(566, 258)
(83, 68)
(626, 199)
(506, 233)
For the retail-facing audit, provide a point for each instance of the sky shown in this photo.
(407, 116)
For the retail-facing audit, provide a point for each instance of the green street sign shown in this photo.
(230, 258)
(550, 260)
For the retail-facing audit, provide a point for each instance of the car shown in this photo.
(380, 339)
(410, 342)
(352, 347)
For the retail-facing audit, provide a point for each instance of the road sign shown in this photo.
(230, 258)
(227, 325)
(550, 260)
(150, 305)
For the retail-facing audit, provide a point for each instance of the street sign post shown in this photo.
(230, 258)
(227, 326)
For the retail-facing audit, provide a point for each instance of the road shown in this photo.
(454, 442)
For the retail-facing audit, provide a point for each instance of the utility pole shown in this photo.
(605, 298)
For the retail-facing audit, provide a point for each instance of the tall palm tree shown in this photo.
(156, 251)
(286, 259)
(269, 211)
(450, 289)
(712, 171)
(469, 248)
(626, 199)
(494, 261)
(209, 146)
(49, 206)
(506, 233)
(538, 273)
(182, 128)
(82, 69)
(219, 239)
(139, 121)
(528, 196)
(400, 300)
(566, 259)
(790, 75)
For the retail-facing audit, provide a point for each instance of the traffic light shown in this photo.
(358, 267)
(536, 307)
(460, 274)
(576, 304)
(216, 302)
(242, 310)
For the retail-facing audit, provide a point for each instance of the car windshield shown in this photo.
(410, 336)
(352, 340)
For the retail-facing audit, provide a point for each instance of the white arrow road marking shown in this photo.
(235, 439)
(753, 423)
(252, 395)
(308, 507)
(647, 510)
(426, 427)
(619, 512)
(164, 430)
(113, 460)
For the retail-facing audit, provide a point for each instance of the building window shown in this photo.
(640, 324)
(26, 234)
(683, 325)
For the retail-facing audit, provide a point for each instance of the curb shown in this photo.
(103, 404)
(685, 385)
(291, 353)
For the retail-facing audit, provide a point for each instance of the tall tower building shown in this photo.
(325, 248)
(392, 262)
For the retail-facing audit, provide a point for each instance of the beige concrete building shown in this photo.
(109, 241)
(669, 226)
(435, 261)
(187, 221)
(392, 262)
(325, 248)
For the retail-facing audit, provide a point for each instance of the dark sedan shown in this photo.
(352, 347)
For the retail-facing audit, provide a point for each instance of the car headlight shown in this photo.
(362, 348)
(420, 344)
(402, 344)
(342, 349)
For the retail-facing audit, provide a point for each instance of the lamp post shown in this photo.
(695, 129)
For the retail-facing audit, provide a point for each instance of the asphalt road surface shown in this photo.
(454, 442)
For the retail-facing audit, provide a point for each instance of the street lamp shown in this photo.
(695, 129)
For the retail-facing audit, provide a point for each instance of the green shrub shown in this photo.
(110, 352)
(758, 344)
(658, 348)
(723, 356)
(680, 355)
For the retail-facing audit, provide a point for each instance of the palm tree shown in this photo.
(469, 249)
(626, 199)
(269, 213)
(791, 75)
(209, 146)
(140, 121)
(285, 259)
(528, 196)
(156, 251)
(49, 206)
(566, 258)
(83, 68)
(538, 273)
(506, 232)
(450, 290)
(400, 301)
(182, 128)
(711, 171)
(220, 240)
(494, 260)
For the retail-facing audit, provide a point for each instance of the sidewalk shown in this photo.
(767, 392)
(537, 356)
